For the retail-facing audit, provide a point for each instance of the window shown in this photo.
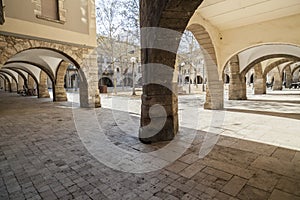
(50, 9)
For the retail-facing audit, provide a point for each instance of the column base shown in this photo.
(61, 99)
(44, 96)
(151, 133)
(237, 98)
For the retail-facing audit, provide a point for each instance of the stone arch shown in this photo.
(74, 53)
(106, 81)
(215, 88)
(275, 64)
(7, 83)
(295, 69)
(83, 57)
(29, 74)
(286, 67)
(271, 50)
(22, 80)
(286, 58)
(14, 81)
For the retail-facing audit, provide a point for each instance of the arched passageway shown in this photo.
(106, 81)
(45, 60)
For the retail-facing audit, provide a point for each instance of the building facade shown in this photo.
(39, 39)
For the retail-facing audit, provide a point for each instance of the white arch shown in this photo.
(33, 69)
(248, 56)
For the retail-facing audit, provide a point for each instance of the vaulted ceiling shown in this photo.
(227, 14)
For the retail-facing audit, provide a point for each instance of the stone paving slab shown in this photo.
(42, 157)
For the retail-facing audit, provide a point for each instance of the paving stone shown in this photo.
(217, 173)
(289, 185)
(284, 154)
(45, 159)
(255, 147)
(280, 195)
(234, 186)
(264, 180)
(278, 166)
(229, 168)
(196, 193)
(188, 197)
(169, 189)
(296, 158)
(251, 193)
(232, 156)
(222, 196)
(189, 158)
(191, 170)
(177, 166)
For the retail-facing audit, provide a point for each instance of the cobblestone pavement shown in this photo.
(42, 157)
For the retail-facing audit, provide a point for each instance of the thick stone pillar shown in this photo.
(288, 77)
(30, 83)
(7, 86)
(159, 118)
(89, 92)
(277, 85)
(20, 83)
(237, 85)
(14, 86)
(43, 87)
(59, 91)
(2, 84)
(215, 88)
(260, 86)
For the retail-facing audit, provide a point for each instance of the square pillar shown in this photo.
(237, 84)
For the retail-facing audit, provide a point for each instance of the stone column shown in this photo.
(215, 88)
(159, 118)
(7, 86)
(59, 93)
(43, 87)
(237, 85)
(2, 83)
(260, 86)
(289, 77)
(13, 85)
(20, 82)
(277, 85)
(88, 76)
(30, 83)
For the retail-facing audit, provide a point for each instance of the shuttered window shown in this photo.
(50, 9)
